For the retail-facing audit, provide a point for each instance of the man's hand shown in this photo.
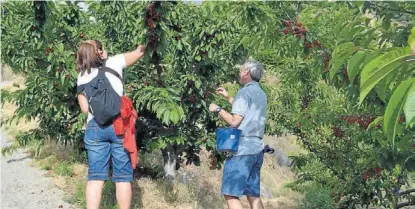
(212, 107)
(232, 120)
(222, 91)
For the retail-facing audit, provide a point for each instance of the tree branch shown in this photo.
(404, 204)
(395, 10)
(406, 192)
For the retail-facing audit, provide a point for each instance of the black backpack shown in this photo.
(104, 102)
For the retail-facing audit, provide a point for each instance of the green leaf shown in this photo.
(340, 54)
(174, 116)
(198, 58)
(166, 117)
(62, 79)
(245, 41)
(409, 108)
(375, 122)
(354, 63)
(382, 61)
(381, 89)
(372, 55)
(394, 108)
(379, 68)
(411, 40)
(179, 45)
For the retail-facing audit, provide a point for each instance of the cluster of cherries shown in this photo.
(151, 17)
(298, 30)
(48, 50)
(368, 174)
(363, 121)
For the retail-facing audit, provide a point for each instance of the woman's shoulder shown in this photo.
(85, 77)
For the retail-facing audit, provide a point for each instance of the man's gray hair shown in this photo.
(255, 68)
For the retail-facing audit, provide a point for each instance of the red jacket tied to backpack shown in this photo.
(124, 124)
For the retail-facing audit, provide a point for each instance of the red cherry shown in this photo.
(365, 175)
(286, 22)
(401, 119)
(285, 31)
(299, 24)
(377, 170)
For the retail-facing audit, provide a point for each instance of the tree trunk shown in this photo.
(170, 155)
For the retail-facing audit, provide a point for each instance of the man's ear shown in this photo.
(100, 52)
(246, 72)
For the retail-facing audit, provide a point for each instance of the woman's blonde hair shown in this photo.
(88, 56)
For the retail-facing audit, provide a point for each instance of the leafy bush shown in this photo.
(317, 197)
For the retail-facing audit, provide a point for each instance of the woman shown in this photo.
(102, 142)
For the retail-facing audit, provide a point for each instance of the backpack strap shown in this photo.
(109, 70)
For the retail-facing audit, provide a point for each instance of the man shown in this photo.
(241, 173)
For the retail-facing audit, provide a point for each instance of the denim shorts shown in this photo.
(102, 144)
(241, 175)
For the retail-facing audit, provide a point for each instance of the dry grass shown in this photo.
(202, 189)
(8, 110)
(6, 73)
(273, 179)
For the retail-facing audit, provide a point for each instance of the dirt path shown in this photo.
(24, 186)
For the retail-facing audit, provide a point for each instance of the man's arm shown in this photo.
(234, 120)
(230, 99)
(222, 91)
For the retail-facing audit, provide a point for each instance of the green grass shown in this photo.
(317, 197)
(108, 200)
(48, 163)
(64, 168)
(79, 196)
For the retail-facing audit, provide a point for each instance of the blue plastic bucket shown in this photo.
(227, 139)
